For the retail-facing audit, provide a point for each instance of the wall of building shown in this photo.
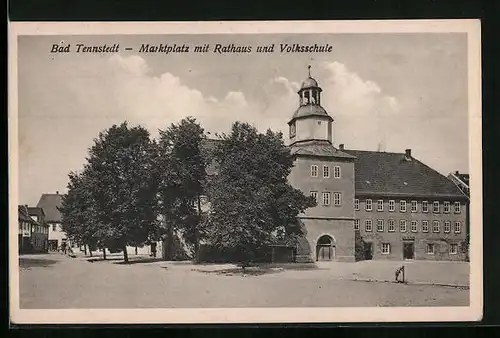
(441, 240)
(56, 233)
(318, 128)
(336, 221)
(339, 230)
(300, 178)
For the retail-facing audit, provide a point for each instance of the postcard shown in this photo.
(245, 172)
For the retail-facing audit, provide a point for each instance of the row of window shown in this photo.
(35, 228)
(436, 206)
(391, 226)
(326, 198)
(326, 171)
(430, 248)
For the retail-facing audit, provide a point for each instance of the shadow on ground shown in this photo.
(28, 263)
(120, 261)
(140, 261)
(259, 270)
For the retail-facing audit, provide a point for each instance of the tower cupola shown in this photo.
(310, 121)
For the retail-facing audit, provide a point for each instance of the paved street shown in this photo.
(56, 281)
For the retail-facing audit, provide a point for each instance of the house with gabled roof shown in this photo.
(50, 204)
(33, 232)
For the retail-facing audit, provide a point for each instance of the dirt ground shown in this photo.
(54, 281)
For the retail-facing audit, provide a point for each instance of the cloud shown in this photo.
(359, 106)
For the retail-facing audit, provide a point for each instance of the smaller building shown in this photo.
(33, 232)
(50, 203)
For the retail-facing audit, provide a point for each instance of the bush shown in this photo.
(359, 247)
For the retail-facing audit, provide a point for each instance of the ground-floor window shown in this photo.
(430, 248)
(453, 249)
(386, 248)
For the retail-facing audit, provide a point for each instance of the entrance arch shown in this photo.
(325, 248)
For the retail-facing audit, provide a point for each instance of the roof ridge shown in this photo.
(376, 151)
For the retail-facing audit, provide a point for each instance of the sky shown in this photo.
(385, 91)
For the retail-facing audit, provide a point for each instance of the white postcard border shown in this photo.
(257, 315)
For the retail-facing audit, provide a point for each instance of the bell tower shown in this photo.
(310, 122)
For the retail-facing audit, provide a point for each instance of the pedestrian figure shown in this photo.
(63, 246)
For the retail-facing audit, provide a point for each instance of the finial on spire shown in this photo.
(309, 70)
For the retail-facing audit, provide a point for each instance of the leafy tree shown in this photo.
(123, 185)
(78, 220)
(182, 168)
(252, 203)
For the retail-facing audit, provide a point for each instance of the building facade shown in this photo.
(325, 173)
(33, 232)
(50, 204)
(370, 204)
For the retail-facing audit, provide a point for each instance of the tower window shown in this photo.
(326, 171)
(306, 97)
(337, 199)
(336, 171)
(314, 170)
(292, 130)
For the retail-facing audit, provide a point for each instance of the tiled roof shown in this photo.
(310, 110)
(36, 211)
(382, 173)
(318, 148)
(50, 203)
(464, 178)
(24, 215)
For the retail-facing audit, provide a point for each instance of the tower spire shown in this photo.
(309, 70)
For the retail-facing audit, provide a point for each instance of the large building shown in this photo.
(370, 204)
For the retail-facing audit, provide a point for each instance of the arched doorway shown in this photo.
(325, 248)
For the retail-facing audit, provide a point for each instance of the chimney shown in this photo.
(341, 146)
(57, 192)
(456, 172)
(408, 154)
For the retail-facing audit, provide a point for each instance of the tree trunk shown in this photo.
(104, 253)
(196, 239)
(169, 252)
(125, 254)
(136, 251)
(85, 249)
(90, 251)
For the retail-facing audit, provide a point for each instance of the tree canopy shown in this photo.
(252, 203)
